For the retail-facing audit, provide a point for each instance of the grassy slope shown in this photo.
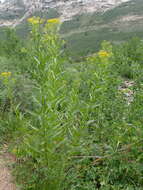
(84, 33)
(103, 27)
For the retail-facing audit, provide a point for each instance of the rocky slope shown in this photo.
(12, 12)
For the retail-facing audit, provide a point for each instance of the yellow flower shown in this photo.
(103, 53)
(6, 74)
(35, 20)
(54, 21)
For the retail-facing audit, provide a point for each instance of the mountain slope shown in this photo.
(84, 33)
(85, 22)
(12, 12)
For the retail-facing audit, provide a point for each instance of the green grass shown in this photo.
(80, 21)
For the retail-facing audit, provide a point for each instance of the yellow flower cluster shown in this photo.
(54, 21)
(103, 53)
(35, 20)
(6, 74)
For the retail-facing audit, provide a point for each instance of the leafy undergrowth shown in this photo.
(75, 126)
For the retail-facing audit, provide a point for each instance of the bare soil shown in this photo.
(6, 179)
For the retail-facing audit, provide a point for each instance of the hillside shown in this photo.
(12, 12)
(85, 32)
(85, 23)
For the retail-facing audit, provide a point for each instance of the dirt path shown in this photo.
(5, 176)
